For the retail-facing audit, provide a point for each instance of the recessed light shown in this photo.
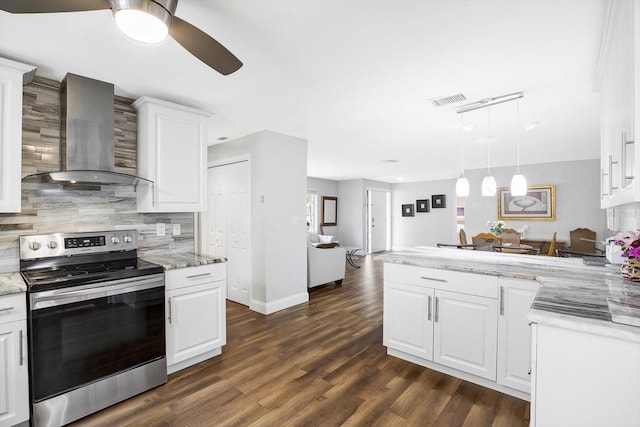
(390, 161)
(532, 125)
(223, 138)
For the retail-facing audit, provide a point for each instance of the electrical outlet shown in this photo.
(159, 229)
(176, 229)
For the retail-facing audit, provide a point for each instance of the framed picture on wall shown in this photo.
(407, 210)
(539, 204)
(439, 201)
(329, 211)
(422, 205)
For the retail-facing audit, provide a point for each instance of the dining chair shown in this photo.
(552, 246)
(485, 241)
(463, 237)
(583, 241)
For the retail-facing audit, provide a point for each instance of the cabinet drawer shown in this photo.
(13, 307)
(467, 283)
(181, 277)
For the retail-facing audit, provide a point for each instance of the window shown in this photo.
(312, 211)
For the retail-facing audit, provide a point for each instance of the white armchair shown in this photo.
(324, 265)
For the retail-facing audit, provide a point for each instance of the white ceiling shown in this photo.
(353, 77)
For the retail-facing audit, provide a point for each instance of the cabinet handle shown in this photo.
(623, 160)
(6, 308)
(611, 163)
(602, 185)
(501, 300)
(169, 310)
(529, 373)
(429, 309)
(433, 279)
(20, 345)
(437, 310)
(198, 275)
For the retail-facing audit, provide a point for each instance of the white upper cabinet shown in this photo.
(619, 86)
(172, 152)
(11, 77)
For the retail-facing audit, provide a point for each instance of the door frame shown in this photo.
(368, 219)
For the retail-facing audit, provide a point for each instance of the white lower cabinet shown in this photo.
(465, 333)
(514, 333)
(14, 376)
(472, 326)
(196, 315)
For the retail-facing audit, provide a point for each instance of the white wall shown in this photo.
(325, 187)
(577, 204)
(278, 231)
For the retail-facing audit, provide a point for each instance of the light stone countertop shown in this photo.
(572, 295)
(11, 283)
(171, 261)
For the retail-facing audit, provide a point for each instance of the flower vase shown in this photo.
(631, 269)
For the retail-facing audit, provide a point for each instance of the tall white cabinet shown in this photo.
(11, 78)
(172, 152)
(14, 376)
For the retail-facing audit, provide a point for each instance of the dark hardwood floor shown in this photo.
(316, 364)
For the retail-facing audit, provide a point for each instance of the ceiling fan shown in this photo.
(148, 21)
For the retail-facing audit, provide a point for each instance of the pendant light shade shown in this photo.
(489, 187)
(518, 182)
(518, 185)
(462, 186)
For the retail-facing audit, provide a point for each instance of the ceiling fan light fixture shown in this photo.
(142, 20)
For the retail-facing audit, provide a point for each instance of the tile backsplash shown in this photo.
(50, 208)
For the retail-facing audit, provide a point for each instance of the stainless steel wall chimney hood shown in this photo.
(86, 136)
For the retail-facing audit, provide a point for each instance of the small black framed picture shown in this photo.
(439, 201)
(407, 210)
(422, 205)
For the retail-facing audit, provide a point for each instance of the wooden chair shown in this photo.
(552, 246)
(484, 241)
(583, 242)
(509, 235)
(463, 237)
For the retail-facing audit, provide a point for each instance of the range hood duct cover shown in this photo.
(86, 136)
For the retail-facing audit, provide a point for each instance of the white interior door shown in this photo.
(227, 225)
(377, 220)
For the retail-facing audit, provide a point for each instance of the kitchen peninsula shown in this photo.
(467, 313)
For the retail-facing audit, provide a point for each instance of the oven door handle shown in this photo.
(45, 299)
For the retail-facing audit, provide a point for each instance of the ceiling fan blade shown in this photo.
(204, 47)
(52, 6)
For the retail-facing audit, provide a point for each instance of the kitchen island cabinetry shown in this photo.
(196, 322)
(172, 152)
(584, 379)
(444, 320)
(514, 333)
(14, 377)
(11, 78)
(619, 86)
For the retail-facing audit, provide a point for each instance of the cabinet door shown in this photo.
(195, 321)
(14, 380)
(465, 333)
(514, 333)
(408, 319)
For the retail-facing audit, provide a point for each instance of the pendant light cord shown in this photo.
(462, 145)
(488, 146)
(518, 135)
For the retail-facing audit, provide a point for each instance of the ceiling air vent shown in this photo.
(446, 100)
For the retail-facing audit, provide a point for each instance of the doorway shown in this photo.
(226, 225)
(378, 227)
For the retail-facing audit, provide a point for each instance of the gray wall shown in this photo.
(278, 231)
(577, 204)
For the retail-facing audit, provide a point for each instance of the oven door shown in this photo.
(82, 334)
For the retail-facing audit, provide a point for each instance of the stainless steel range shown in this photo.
(96, 322)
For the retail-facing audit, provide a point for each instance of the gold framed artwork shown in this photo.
(539, 204)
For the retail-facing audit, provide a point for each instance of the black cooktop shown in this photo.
(62, 276)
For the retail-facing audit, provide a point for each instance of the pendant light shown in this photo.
(462, 184)
(518, 182)
(489, 187)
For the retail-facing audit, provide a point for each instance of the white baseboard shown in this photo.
(281, 304)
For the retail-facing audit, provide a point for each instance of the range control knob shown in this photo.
(115, 240)
(34, 246)
(52, 244)
(128, 239)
